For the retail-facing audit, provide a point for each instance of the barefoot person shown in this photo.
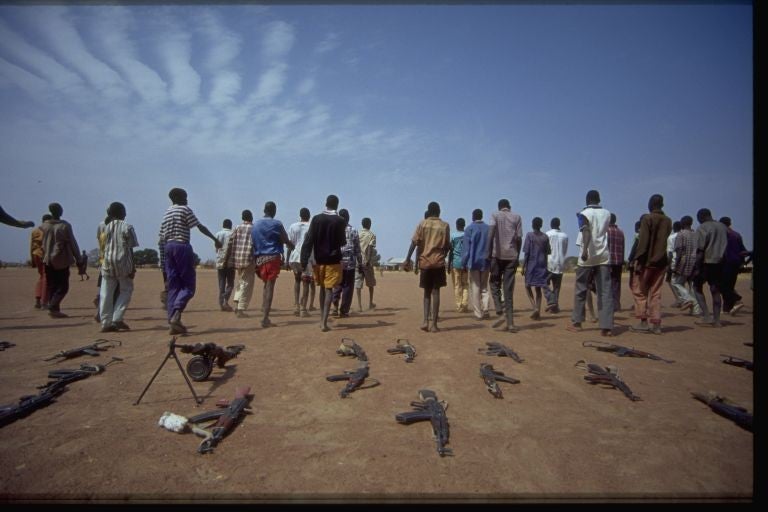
(325, 237)
(505, 240)
(536, 249)
(269, 236)
(225, 270)
(302, 278)
(240, 251)
(366, 275)
(179, 261)
(432, 238)
(117, 270)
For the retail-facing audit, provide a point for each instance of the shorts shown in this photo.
(302, 275)
(433, 278)
(711, 273)
(367, 276)
(269, 270)
(327, 276)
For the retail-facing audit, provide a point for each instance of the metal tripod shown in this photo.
(171, 354)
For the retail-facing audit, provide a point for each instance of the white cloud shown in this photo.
(278, 40)
(306, 86)
(31, 84)
(226, 85)
(174, 47)
(330, 43)
(271, 84)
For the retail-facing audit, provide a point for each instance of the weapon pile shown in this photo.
(726, 408)
(433, 410)
(610, 376)
(622, 351)
(227, 417)
(403, 347)
(495, 348)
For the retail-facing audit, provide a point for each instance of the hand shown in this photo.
(217, 244)
(28, 224)
(450, 269)
(132, 275)
(584, 256)
(494, 266)
(408, 265)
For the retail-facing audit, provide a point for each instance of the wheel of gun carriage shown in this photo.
(199, 368)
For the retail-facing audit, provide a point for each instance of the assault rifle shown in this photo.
(355, 378)
(66, 376)
(726, 408)
(348, 347)
(430, 409)
(93, 349)
(610, 376)
(749, 344)
(227, 416)
(403, 347)
(491, 376)
(200, 367)
(737, 361)
(497, 349)
(6, 344)
(622, 351)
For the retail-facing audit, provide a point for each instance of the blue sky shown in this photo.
(387, 106)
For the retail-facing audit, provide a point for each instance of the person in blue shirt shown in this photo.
(459, 273)
(475, 258)
(269, 236)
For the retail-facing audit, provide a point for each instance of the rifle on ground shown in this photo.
(348, 347)
(430, 409)
(63, 376)
(200, 367)
(6, 344)
(355, 378)
(622, 351)
(227, 417)
(609, 376)
(403, 347)
(29, 403)
(726, 408)
(749, 344)
(737, 361)
(93, 349)
(491, 376)
(497, 349)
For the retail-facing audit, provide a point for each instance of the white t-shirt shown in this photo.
(558, 242)
(597, 252)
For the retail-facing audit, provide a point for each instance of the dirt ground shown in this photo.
(552, 438)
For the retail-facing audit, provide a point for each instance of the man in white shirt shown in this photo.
(672, 261)
(594, 262)
(224, 266)
(303, 279)
(558, 242)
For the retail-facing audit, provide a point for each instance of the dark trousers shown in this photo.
(553, 295)
(58, 285)
(728, 286)
(226, 284)
(616, 286)
(502, 281)
(181, 280)
(344, 290)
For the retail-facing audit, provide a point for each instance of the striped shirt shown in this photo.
(685, 252)
(507, 232)
(350, 253)
(240, 246)
(119, 241)
(615, 245)
(177, 222)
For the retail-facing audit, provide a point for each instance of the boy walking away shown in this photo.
(60, 251)
(650, 266)
(269, 236)
(558, 243)
(325, 238)
(735, 252)
(303, 280)
(536, 249)
(117, 270)
(474, 258)
(351, 261)
(240, 252)
(459, 273)
(505, 241)
(179, 260)
(224, 268)
(616, 251)
(82, 267)
(712, 239)
(36, 259)
(367, 251)
(684, 264)
(433, 240)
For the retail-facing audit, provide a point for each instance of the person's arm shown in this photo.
(204, 230)
(450, 258)
(5, 218)
(73, 245)
(307, 245)
(586, 238)
(284, 238)
(408, 265)
(491, 240)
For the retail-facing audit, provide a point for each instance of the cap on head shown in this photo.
(332, 202)
(178, 196)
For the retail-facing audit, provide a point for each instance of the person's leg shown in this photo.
(485, 295)
(655, 279)
(359, 280)
(537, 309)
(604, 297)
(296, 289)
(347, 286)
(269, 290)
(229, 286)
(456, 280)
(435, 309)
(616, 286)
(715, 274)
(509, 271)
(38, 263)
(123, 300)
(557, 282)
(495, 284)
(222, 279)
(529, 294)
(312, 288)
(106, 304)
(701, 300)
(182, 256)
(579, 295)
(59, 280)
(640, 296)
(326, 297)
(304, 296)
(371, 304)
(474, 293)
(427, 308)
(464, 274)
(728, 285)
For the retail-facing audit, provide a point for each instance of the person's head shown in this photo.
(726, 221)
(332, 202)
(460, 223)
(247, 216)
(366, 223)
(655, 202)
(304, 214)
(178, 196)
(56, 210)
(433, 209)
(344, 214)
(613, 219)
(537, 223)
(227, 224)
(83, 251)
(477, 214)
(270, 209)
(676, 226)
(554, 223)
(703, 215)
(503, 203)
(46, 217)
(593, 197)
(116, 211)
(686, 222)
